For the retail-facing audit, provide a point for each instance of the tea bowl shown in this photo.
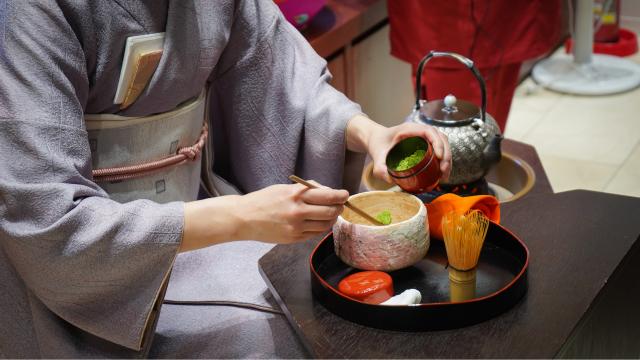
(400, 244)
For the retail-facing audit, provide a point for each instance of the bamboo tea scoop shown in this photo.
(355, 209)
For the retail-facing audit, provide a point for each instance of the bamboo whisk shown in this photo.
(463, 238)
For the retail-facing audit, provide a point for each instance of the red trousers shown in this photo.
(501, 82)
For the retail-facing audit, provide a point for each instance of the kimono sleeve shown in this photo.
(95, 263)
(275, 113)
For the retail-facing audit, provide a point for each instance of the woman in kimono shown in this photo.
(85, 254)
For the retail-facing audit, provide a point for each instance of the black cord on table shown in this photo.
(243, 305)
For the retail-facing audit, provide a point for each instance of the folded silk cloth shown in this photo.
(489, 205)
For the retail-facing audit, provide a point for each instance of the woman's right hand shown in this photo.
(289, 213)
(277, 214)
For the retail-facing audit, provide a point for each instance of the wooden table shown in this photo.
(584, 290)
(583, 276)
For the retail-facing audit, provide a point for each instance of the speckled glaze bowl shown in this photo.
(402, 243)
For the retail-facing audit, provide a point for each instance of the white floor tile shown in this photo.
(521, 121)
(600, 129)
(583, 142)
(627, 179)
(530, 104)
(533, 97)
(570, 174)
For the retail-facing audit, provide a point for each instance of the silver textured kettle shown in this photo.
(474, 136)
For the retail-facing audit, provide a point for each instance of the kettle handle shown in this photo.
(466, 61)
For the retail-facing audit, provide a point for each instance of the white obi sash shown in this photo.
(157, 157)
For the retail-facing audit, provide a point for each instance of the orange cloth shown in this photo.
(489, 205)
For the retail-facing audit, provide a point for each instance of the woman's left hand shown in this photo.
(364, 134)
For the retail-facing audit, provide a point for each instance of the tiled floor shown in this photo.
(584, 142)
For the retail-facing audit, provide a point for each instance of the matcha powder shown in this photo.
(384, 217)
(411, 160)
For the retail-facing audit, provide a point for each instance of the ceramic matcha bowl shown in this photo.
(402, 243)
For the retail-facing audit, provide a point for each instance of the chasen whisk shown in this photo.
(464, 236)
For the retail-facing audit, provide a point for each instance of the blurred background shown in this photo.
(583, 141)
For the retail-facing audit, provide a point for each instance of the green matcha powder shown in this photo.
(411, 160)
(384, 217)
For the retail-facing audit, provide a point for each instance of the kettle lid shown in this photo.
(450, 111)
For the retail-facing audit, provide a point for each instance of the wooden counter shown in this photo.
(584, 287)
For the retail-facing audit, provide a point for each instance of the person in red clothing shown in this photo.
(498, 35)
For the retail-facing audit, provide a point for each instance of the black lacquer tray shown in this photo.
(501, 283)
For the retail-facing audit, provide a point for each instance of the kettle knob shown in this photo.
(450, 101)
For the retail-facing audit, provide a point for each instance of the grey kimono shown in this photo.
(79, 272)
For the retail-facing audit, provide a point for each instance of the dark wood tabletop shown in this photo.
(584, 287)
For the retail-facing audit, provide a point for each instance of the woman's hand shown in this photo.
(276, 214)
(365, 135)
(290, 213)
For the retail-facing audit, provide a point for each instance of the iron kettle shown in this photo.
(474, 136)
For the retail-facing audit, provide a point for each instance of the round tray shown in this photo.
(501, 283)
